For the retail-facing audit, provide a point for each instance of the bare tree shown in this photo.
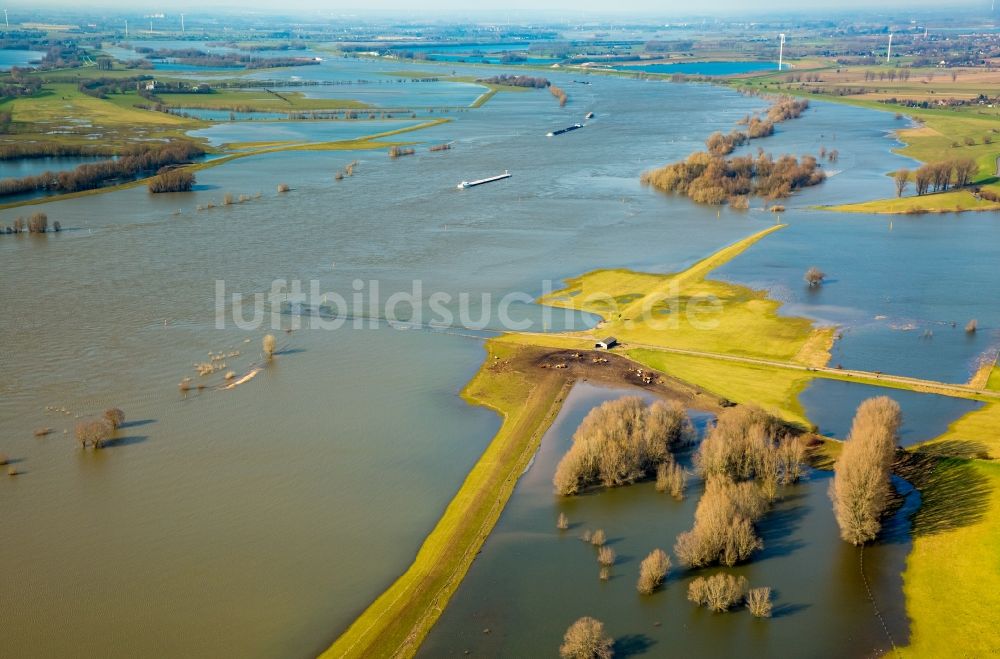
(723, 530)
(759, 602)
(718, 592)
(585, 639)
(269, 344)
(620, 442)
(814, 277)
(670, 478)
(965, 169)
(861, 488)
(652, 571)
(902, 179)
(115, 417)
(92, 433)
(38, 223)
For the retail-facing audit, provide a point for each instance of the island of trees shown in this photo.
(712, 179)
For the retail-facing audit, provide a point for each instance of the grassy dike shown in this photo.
(687, 310)
(396, 623)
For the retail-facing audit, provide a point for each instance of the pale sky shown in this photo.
(573, 7)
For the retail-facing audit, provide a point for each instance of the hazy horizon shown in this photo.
(570, 9)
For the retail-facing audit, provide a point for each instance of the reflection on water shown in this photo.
(531, 581)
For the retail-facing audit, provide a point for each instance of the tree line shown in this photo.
(18, 150)
(937, 176)
(517, 81)
(36, 223)
(133, 162)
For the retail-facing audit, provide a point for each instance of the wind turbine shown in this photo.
(182, 23)
(888, 52)
(5, 19)
(781, 50)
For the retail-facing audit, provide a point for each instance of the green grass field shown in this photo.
(773, 389)
(941, 135)
(952, 577)
(687, 310)
(256, 100)
(61, 113)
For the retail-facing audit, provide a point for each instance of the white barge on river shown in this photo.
(472, 184)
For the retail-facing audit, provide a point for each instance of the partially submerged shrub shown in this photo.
(740, 445)
(719, 592)
(115, 417)
(598, 538)
(269, 345)
(3, 459)
(283, 187)
(606, 556)
(759, 602)
(861, 489)
(585, 639)
(814, 276)
(972, 326)
(38, 223)
(620, 442)
(176, 180)
(563, 522)
(670, 477)
(724, 520)
(652, 571)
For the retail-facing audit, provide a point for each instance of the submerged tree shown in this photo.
(759, 602)
(115, 417)
(814, 277)
(620, 442)
(92, 433)
(719, 592)
(652, 571)
(585, 639)
(861, 487)
(723, 530)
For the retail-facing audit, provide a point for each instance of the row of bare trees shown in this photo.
(36, 223)
(937, 176)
